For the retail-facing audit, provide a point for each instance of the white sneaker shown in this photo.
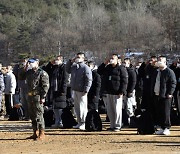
(159, 132)
(82, 126)
(1, 117)
(60, 125)
(166, 131)
(116, 129)
(77, 126)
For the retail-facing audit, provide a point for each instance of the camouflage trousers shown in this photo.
(2, 104)
(36, 112)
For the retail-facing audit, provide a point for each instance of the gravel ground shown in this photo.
(69, 141)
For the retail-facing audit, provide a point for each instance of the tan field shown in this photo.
(70, 141)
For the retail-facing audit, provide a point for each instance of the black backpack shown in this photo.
(16, 114)
(175, 120)
(144, 123)
(68, 119)
(93, 121)
(101, 107)
(125, 117)
(49, 117)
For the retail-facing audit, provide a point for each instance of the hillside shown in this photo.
(46, 27)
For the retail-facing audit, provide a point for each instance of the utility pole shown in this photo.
(59, 47)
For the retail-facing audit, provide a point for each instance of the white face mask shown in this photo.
(112, 61)
(29, 67)
(78, 60)
(178, 64)
(91, 67)
(57, 62)
(23, 64)
(137, 66)
(32, 66)
(156, 64)
(161, 64)
(126, 64)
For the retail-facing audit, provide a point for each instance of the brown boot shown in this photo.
(34, 136)
(41, 135)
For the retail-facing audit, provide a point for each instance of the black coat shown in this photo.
(146, 93)
(132, 78)
(115, 78)
(177, 73)
(94, 92)
(49, 68)
(173, 67)
(167, 82)
(100, 71)
(59, 80)
(149, 71)
(61, 75)
(140, 76)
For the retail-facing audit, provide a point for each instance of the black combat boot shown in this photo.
(34, 136)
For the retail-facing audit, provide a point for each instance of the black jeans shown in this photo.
(164, 108)
(8, 99)
(177, 100)
(154, 109)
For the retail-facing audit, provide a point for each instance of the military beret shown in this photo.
(32, 60)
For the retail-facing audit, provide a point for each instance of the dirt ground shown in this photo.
(69, 141)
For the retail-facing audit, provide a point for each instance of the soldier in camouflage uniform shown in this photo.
(38, 85)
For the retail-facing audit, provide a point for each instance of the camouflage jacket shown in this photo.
(37, 82)
(2, 86)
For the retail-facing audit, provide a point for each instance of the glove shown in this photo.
(169, 96)
(42, 101)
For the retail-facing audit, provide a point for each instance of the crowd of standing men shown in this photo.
(122, 85)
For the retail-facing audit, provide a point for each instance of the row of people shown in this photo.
(121, 86)
(150, 84)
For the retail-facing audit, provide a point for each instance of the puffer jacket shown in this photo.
(115, 78)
